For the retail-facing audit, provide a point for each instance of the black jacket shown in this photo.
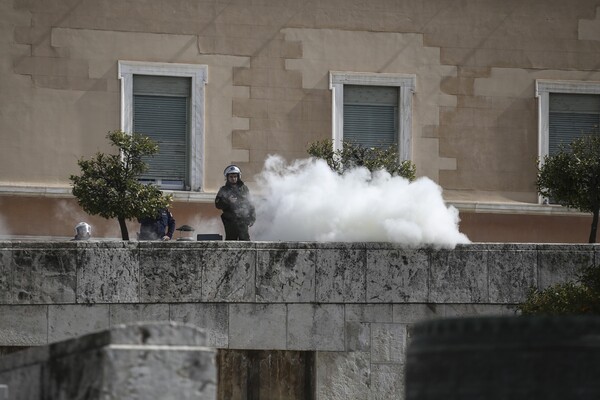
(235, 203)
(155, 228)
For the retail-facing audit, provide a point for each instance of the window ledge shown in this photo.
(41, 191)
(515, 208)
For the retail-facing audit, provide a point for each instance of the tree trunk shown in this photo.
(594, 225)
(124, 231)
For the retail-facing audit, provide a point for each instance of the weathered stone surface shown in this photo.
(5, 276)
(562, 266)
(458, 277)
(388, 342)
(343, 376)
(369, 312)
(170, 275)
(341, 276)
(462, 310)
(287, 296)
(23, 325)
(315, 327)
(412, 313)
(257, 326)
(70, 320)
(129, 313)
(167, 374)
(158, 333)
(228, 275)
(397, 276)
(387, 381)
(358, 336)
(43, 275)
(511, 274)
(286, 275)
(108, 273)
(210, 317)
(141, 361)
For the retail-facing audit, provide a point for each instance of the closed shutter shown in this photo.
(161, 112)
(371, 115)
(572, 116)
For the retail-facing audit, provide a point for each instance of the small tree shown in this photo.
(572, 177)
(352, 155)
(579, 297)
(108, 185)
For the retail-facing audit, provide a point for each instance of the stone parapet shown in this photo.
(351, 303)
(276, 272)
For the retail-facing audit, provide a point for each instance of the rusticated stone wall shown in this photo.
(351, 303)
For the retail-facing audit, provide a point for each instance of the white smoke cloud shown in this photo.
(203, 225)
(307, 201)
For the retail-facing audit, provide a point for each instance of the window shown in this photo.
(166, 103)
(373, 110)
(566, 110)
(570, 117)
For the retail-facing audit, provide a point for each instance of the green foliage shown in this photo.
(353, 155)
(580, 297)
(108, 185)
(572, 177)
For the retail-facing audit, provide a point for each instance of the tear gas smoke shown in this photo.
(206, 225)
(307, 201)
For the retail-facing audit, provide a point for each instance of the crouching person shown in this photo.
(160, 227)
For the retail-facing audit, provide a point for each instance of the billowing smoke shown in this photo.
(307, 201)
(206, 225)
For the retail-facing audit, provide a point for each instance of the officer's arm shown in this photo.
(171, 229)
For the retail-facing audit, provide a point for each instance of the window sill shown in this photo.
(515, 208)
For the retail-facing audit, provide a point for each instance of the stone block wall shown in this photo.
(351, 303)
(139, 361)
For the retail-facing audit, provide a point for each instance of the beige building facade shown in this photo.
(476, 82)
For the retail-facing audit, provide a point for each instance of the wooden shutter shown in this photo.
(161, 112)
(371, 115)
(572, 116)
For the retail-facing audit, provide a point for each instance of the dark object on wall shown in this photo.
(209, 236)
(182, 229)
(520, 357)
(265, 374)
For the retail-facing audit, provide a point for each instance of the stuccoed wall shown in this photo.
(353, 303)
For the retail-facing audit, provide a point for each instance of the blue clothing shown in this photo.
(156, 228)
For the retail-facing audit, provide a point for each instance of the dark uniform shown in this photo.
(157, 228)
(238, 211)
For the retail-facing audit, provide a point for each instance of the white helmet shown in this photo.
(83, 230)
(232, 169)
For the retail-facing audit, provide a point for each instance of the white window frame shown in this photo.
(199, 76)
(543, 88)
(406, 84)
